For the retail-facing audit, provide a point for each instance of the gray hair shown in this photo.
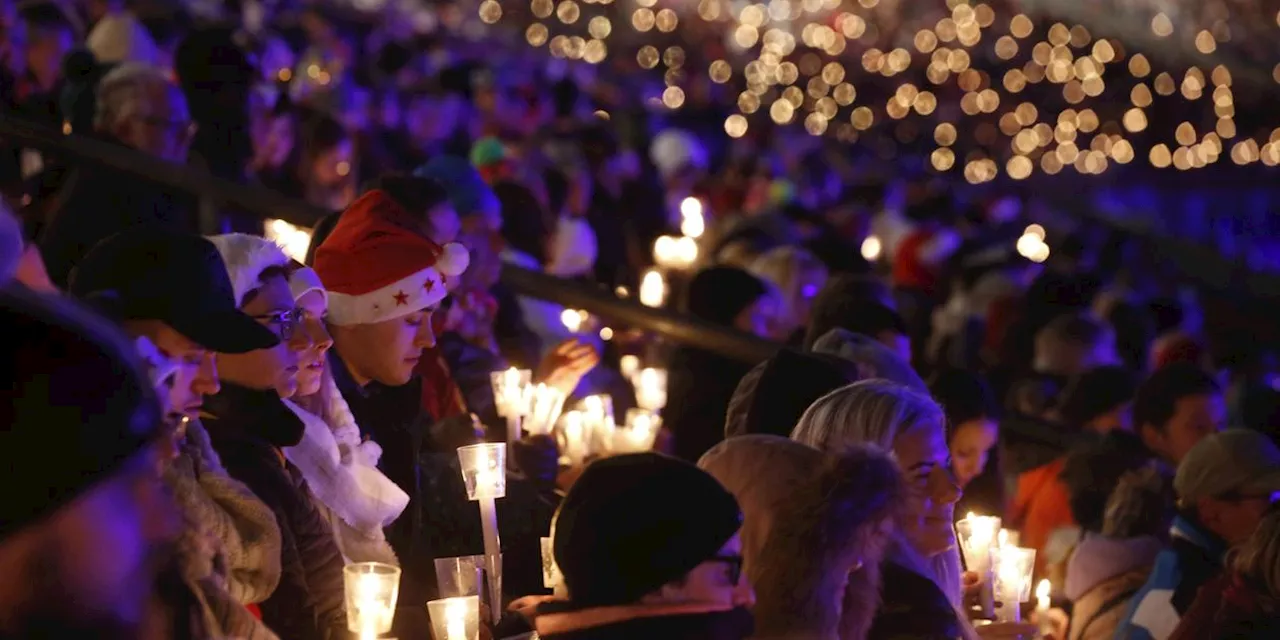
(866, 412)
(877, 412)
(123, 92)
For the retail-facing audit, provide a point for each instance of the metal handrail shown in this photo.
(269, 204)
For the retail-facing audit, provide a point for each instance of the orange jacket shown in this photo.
(1040, 507)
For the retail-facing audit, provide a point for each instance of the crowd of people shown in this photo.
(206, 421)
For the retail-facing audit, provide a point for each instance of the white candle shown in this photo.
(1013, 567)
(692, 223)
(574, 441)
(686, 252)
(653, 289)
(665, 254)
(572, 320)
(651, 389)
(484, 475)
(455, 620)
(977, 537)
(1042, 608)
(371, 589)
(628, 365)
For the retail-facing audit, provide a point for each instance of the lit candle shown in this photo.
(455, 618)
(651, 389)
(628, 365)
(485, 479)
(1042, 608)
(692, 223)
(455, 621)
(686, 252)
(574, 443)
(571, 319)
(638, 435)
(665, 253)
(977, 537)
(512, 395)
(371, 590)
(546, 406)
(598, 423)
(653, 289)
(1012, 569)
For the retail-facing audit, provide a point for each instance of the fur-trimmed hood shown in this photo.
(813, 532)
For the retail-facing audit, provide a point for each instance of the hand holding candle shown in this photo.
(977, 537)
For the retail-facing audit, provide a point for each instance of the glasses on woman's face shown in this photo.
(284, 323)
(733, 567)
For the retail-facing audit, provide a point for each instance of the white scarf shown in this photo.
(355, 491)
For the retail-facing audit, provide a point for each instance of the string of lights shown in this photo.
(990, 89)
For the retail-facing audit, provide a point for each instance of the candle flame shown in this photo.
(511, 378)
(1003, 537)
(1042, 589)
(455, 614)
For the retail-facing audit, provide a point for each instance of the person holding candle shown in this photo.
(229, 546)
(648, 547)
(384, 281)
(1244, 606)
(814, 531)
(921, 571)
(250, 425)
(1225, 485)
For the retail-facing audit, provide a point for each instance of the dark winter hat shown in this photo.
(1097, 392)
(719, 294)
(76, 404)
(633, 523)
(772, 397)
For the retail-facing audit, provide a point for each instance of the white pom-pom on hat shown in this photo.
(454, 259)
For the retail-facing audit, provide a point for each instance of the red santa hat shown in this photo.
(376, 267)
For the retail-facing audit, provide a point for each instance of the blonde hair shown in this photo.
(877, 412)
(1257, 562)
(786, 267)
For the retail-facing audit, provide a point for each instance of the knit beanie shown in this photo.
(376, 267)
(246, 257)
(468, 192)
(635, 522)
(719, 294)
(772, 397)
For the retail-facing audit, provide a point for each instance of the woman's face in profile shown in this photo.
(928, 514)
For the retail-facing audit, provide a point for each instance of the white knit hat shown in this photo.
(246, 257)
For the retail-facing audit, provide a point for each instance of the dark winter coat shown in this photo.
(913, 608)
(309, 602)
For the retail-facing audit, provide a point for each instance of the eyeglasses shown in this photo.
(285, 322)
(734, 566)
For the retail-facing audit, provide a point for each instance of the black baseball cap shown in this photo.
(152, 273)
